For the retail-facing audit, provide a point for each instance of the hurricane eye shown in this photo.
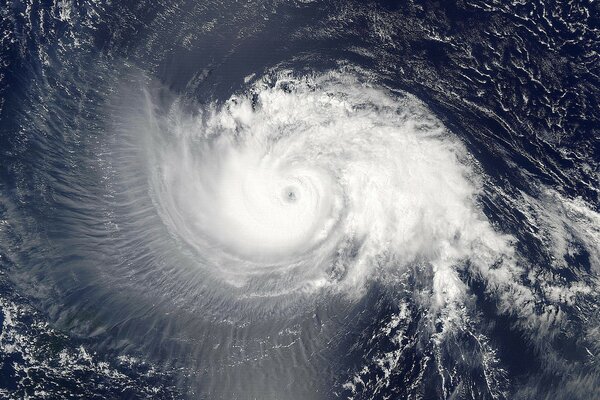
(290, 195)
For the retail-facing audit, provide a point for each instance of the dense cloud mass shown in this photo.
(328, 178)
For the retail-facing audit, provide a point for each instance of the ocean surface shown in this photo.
(300, 199)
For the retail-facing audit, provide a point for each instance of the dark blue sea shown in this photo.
(300, 199)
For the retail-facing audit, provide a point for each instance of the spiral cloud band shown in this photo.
(320, 182)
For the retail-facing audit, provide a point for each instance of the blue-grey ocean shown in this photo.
(300, 199)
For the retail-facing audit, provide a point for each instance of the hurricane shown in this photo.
(299, 200)
(315, 184)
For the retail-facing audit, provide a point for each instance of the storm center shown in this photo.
(290, 194)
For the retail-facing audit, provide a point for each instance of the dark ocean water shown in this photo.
(107, 292)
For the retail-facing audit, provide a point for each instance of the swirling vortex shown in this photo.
(305, 183)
